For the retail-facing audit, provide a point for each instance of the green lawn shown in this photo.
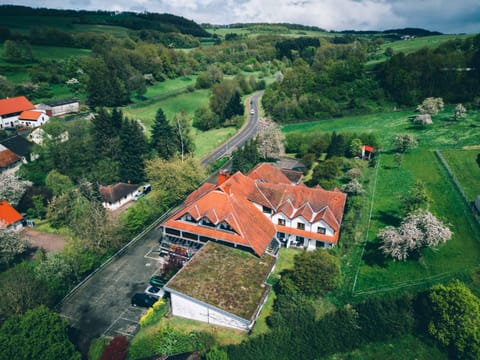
(405, 348)
(409, 46)
(206, 141)
(464, 166)
(459, 256)
(187, 102)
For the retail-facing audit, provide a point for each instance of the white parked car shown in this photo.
(154, 291)
(252, 112)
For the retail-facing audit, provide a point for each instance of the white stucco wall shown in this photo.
(189, 308)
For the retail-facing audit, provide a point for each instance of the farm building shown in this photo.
(60, 107)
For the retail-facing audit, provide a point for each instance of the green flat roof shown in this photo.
(230, 279)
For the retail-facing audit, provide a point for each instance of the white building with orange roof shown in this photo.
(10, 219)
(33, 118)
(10, 110)
(258, 212)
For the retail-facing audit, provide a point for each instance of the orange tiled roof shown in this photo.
(234, 201)
(7, 157)
(268, 173)
(250, 227)
(16, 104)
(8, 215)
(30, 115)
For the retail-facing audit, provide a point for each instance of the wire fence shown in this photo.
(470, 204)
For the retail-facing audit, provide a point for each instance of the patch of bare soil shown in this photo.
(47, 241)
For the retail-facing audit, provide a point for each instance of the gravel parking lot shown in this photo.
(101, 307)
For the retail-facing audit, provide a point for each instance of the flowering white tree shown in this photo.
(270, 139)
(431, 106)
(418, 230)
(11, 245)
(353, 187)
(12, 187)
(460, 112)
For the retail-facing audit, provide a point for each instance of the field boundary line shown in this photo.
(377, 166)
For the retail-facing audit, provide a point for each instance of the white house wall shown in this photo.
(189, 308)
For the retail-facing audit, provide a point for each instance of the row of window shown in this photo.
(204, 221)
(301, 226)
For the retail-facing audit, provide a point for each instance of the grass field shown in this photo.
(464, 166)
(187, 102)
(405, 348)
(409, 46)
(459, 256)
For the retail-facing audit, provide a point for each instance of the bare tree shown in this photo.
(270, 139)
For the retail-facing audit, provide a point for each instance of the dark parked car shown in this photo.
(157, 280)
(143, 300)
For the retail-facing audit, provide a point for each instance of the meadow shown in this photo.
(415, 44)
(374, 273)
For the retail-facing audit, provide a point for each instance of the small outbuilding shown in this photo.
(60, 107)
(10, 219)
(33, 118)
(114, 196)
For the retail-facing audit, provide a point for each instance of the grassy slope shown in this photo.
(457, 256)
(409, 46)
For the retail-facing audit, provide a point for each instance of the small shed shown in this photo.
(33, 118)
(367, 151)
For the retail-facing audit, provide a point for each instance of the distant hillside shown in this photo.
(396, 32)
(167, 23)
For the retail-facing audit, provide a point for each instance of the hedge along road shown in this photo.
(100, 305)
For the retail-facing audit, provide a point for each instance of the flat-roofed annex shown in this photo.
(227, 278)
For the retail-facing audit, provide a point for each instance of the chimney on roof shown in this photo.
(223, 175)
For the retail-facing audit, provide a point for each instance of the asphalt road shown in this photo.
(246, 132)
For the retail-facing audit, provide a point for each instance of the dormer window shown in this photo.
(321, 230)
(266, 210)
(207, 222)
(281, 222)
(189, 218)
(225, 226)
(300, 226)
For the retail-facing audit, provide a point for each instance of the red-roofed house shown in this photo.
(33, 118)
(11, 108)
(257, 212)
(8, 158)
(10, 218)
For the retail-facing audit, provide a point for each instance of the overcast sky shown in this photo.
(448, 16)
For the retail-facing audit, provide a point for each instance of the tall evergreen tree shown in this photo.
(133, 147)
(163, 139)
(105, 131)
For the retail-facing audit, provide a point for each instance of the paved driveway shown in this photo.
(101, 307)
